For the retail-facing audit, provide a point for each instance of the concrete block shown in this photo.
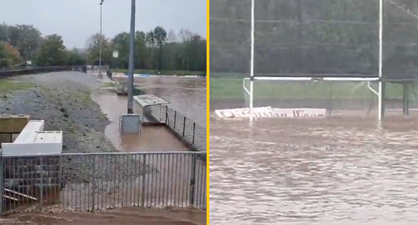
(13, 123)
(130, 123)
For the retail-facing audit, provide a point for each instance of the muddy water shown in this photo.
(125, 216)
(150, 139)
(186, 95)
(314, 172)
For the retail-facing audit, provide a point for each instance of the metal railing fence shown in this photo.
(189, 130)
(39, 69)
(89, 182)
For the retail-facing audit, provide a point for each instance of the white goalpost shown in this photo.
(379, 78)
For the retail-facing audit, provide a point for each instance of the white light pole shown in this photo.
(100, 40)
(380, 73)
(252, 60)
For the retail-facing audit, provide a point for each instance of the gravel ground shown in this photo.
(63, 100)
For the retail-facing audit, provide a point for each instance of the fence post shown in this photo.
(194, 129)
(93, 182)
(41, 182)
(193, 180)
(144, 168)
(2, 173)
(166, 115)
(175, 119)
(184, 125)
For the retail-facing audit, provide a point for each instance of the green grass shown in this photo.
(108, 84)
(231, 88)
(8, 85)
(162, 72)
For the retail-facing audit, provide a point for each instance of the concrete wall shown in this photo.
(13, 123)
(28, 175)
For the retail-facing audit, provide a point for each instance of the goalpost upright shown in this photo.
(252, 59)
(379, 79)
(381, 94)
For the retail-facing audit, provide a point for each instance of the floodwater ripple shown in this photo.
(319, 173)
(186, 95)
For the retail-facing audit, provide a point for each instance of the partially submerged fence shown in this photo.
(90, 182)
(186, 129)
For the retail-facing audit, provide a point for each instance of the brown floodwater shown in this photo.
(186, 95)
(330, 171)
(151, 138)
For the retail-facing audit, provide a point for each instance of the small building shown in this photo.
(151, 108)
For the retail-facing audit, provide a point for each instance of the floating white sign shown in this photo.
(245, 112)
(299, 112)
(268, 112)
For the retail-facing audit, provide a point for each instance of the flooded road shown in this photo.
(314, 172)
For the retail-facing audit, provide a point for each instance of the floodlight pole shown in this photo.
(100, 39)
(131, 60)
(381, 81)
(252, 61)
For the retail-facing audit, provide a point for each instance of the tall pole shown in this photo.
(300, 36)
(381, 82)
(131, 60)
(100, 40)
(252, 61)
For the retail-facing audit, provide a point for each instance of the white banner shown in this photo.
(268, 112)
(299, 112)
(245, 112)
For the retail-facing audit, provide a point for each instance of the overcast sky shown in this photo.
(77, 20)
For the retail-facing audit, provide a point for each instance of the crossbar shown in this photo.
(379, 93)
(316, 78)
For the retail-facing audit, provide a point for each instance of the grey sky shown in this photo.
(77, 20)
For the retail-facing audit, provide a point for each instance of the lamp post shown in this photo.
(131, 60)
(100, 40)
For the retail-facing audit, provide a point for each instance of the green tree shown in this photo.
(152, 51)
(160, 37)
(75, 58)
(151, 44)
(93, 55)
(120, 43)
(52, 52)
(141, 52)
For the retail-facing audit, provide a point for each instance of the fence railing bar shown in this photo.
(99, 181)
(105, 153)
(193, 181)
(93, 184)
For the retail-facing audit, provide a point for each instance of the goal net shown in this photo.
(314, 39)
(331, 98)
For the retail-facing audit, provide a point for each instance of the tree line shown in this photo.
(314, 36)
(22, 43)
(155, 50)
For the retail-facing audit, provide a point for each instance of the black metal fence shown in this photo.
(42, 69)
(89, 182)
(186, 128)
